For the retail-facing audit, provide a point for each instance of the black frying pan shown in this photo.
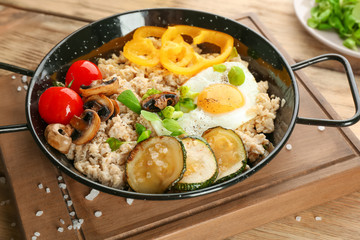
(265, 62)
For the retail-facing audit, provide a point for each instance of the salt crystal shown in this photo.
(37, 234)
(72, 213)
(47, 190)
(39, 213)
(25, 87)
(60, 229)
(69, 203)
(13, 224)
(40, 186)
(24, 79)
(66, 196)
(18, 88)
(318, 218)
(98, 214)
(321, 128)
(129, 201)
(13, 77)
(92, 195)
(81, 221)
(288, 146)
(33, 237)
(60, 178)
(76, 224)
(298, 218)
(62, 185)
(62, 221)
(2, 203)
(70, 227)
(2, 180)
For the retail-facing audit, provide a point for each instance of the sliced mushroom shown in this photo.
(107, 88)
(116, 108)
(85, 127)
(58, 136)
(101, 104)
(157, 102)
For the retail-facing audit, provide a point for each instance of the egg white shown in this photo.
(197, 121)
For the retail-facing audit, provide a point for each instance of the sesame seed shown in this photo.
(288, 146)
(98, 213)
(321, 128)
(298, 218)
(39, 213)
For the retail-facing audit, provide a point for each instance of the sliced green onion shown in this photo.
(150, 116)
(173, 126)
(236, 76)
(234, 53)
(219, 68)
(150, 92)
(139, 128)
(144, 135)
(114, 143)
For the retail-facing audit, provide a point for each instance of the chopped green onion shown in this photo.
(168, 111)
(234, 53)
(173, 126)
(114, 143)
(58, 84)
(144, 135)
(187, 105)
(186, 93)
(139, 128)
(150, 92)
(129, 99)
(236, 76)
(219, 68)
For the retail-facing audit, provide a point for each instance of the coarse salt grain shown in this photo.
(47, 190)
(24, 79)
(13, 77)
(60, 178)
(129, 201)
(69, 203)
(72, 213)
(40, 186)
(70, 227)
(62, 221)
(25, 87)
(62, 185)
(92, 195)
(318, 218)
(321, 128)
(76, 224)
(81, 221)
(2, 180)
(39, 213)
(37, 234)
(18, 88)
(33, 237)
(98, 214)
(13, 224)
(288, 146)
(298, 218)
(66, 196)
(60, 229)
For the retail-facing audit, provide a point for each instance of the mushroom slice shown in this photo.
(100, 104)
(58, 136)
(85, 127)
(107, 88)
(157, 102)
(116, 108)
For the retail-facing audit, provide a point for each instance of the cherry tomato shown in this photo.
(59, 105)
(82, 72)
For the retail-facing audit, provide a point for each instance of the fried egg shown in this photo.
(220, 103)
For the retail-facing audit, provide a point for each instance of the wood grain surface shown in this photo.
(25, 27)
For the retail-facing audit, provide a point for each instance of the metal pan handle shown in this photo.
(23, 71)
(354, 91)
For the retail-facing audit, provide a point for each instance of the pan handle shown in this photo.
(354, 91)
(23, 71)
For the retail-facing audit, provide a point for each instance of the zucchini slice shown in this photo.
(156, 164)
(201, 166)
(229, 150)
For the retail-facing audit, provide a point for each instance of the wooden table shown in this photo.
(340, 218)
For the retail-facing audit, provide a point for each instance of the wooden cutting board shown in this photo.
(321, 166)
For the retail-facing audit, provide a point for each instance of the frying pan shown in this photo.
(103, 37)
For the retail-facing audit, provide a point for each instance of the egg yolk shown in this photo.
(220, 98)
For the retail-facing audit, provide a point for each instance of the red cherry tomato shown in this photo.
(82, 72)
(59, 105)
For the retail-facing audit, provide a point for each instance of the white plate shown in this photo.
(329, 38)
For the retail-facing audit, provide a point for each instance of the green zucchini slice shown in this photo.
(156, 164)
(229, 150)
(201, 166)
